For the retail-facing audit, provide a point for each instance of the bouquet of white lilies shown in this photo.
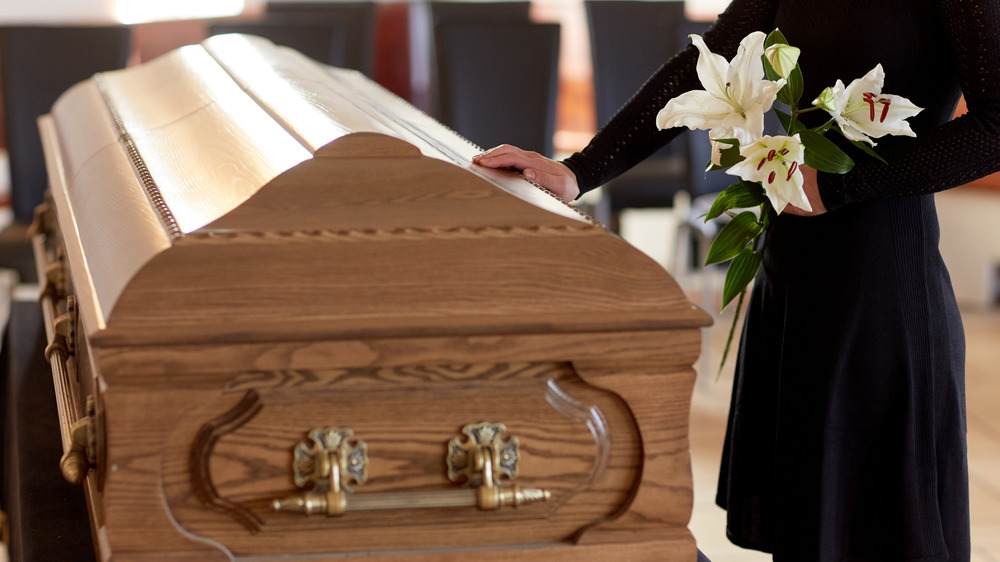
(737, 94)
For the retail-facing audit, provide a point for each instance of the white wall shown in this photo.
(970, 243)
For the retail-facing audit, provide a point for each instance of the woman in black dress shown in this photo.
(846, 437)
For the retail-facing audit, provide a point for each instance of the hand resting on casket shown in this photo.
(547, 173)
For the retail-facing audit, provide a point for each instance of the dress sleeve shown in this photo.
(957, 152)
(631, 135)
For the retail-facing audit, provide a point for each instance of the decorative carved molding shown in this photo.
(201, 453)
(402, 233)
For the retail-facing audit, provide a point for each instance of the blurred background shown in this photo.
(543, 75)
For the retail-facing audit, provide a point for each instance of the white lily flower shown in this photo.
(783, 58)
(774, 162)
(735, 97)
(863, 112)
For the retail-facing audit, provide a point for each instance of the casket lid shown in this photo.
(238, 191)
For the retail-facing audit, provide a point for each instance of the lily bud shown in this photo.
(826, 100)
(783, 58)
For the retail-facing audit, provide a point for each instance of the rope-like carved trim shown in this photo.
(201, 453)
(139, 164)
(395, 234)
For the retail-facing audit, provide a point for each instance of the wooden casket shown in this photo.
(288, 318)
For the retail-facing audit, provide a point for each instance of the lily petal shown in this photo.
(746, 68)
(696, 109)
(712, 68)
(774, 162)
(735, 97)
(890, 113)
(863, 112)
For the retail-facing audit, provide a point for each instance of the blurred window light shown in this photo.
(111, 12)
(144, 11)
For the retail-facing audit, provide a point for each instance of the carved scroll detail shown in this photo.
(201, 453)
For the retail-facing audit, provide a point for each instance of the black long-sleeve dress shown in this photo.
(846, 437)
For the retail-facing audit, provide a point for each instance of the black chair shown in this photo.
(325, 43)
(335, 33)
(629, 40)
(441, 12)
(479, 12)
(510, 100)
(38, 64)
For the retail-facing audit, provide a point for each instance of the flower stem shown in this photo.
(763, 221)
(732, 331)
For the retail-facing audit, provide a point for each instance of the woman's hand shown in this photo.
(811, 188)
(552, 175)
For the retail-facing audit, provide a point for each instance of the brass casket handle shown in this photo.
(332, 460)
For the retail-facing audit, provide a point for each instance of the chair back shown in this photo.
(38, 64)
(630, 40)
(436, 12)
(444, 11)
(512, 98)
(335, 33)
(325, 43)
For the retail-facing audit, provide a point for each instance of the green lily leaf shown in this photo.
(793, 90)
(769, 70)
(867, 148)
(734, 237)
(729, 155)
(786, 122)
(742, 195)
(821, 153)
(741, 272)
(774, 37)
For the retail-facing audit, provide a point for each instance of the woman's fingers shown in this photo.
(537, 169)
(506, 156)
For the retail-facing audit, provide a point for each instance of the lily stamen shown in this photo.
(791, 170)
